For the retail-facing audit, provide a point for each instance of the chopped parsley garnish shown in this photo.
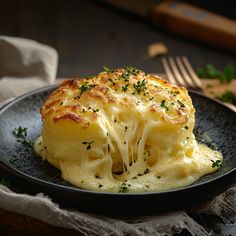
(61, 103)
(132, 70)
(227, 97)
(125, 87)
(140, 86)
(108, 148)
(97, 177)
(150, 99)
(186, 127)
(126, 127)
(174, 93)
(88, 144)
(210, 71)
(180, 103)
(13, 159)
(100, 185)
(129, 70)
(112, 81)
(124, 188)
(108, 70)
(20, 132)
(125, 76)
(158, 177)
(217, 163)
(95, 110)
(163, 105)
(85, 87)
(25, 142)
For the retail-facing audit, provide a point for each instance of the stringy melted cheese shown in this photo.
(123, 131)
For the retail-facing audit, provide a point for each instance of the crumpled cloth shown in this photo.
(27, 65)
(42, 208)
(24, 65)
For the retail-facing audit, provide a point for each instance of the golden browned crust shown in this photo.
(76, 99)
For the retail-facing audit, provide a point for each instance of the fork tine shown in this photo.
(195, 79)
(168, 71)
(176, 72)
(183, 71)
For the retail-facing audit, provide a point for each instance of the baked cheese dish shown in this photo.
(123, 131)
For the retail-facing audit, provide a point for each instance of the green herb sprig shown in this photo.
(129, 70)
(85, 87)
(217, 163)
(112, 81)
(132, 70)
(13, 159)
(139, 86)
(125, 87)
(20, 132)
(163, 105)
(124, 188)
(210, 71)
(108, 70)
(227, 96)
(180, 103)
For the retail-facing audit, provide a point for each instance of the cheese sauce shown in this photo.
(123, 131)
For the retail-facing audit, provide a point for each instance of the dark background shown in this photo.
(89, 34)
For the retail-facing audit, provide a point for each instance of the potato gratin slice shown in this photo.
(123, 131)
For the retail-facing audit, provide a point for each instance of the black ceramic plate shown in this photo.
(33, 175)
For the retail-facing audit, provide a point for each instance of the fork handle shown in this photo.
(196, 23)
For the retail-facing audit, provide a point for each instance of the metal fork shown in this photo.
(179, 71)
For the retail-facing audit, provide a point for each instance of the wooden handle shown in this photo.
(196, 23)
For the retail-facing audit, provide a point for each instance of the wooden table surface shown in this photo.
(88, 35)
(15, 224)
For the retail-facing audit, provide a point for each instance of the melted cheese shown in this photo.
(123, 131)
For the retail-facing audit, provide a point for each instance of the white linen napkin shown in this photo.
(27, 65)
(42, 208)
(24, 65)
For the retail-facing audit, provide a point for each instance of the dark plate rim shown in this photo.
(78, 190)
